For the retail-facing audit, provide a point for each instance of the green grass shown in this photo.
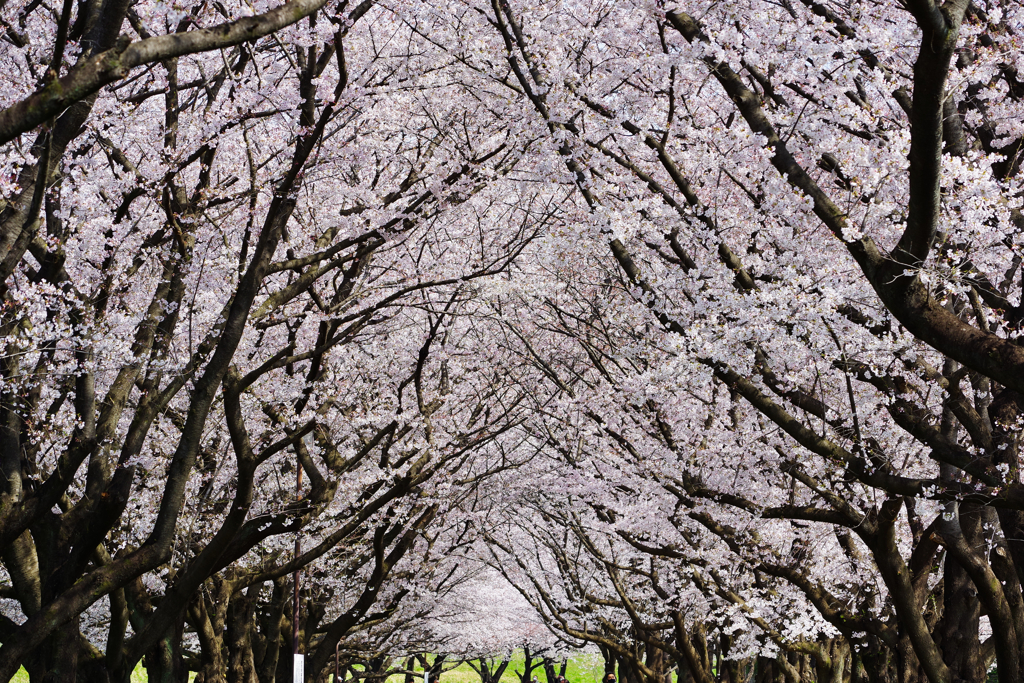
(582, 668)
(138, 676)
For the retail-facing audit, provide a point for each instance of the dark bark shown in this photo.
(271, 630)
(241, 664)
(957, 631)
(164, 662)
(532, 661)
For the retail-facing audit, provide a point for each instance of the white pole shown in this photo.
(297, 660)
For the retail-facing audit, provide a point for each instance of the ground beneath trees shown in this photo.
(583, 668)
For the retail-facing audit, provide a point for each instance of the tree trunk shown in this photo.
(64, 644)
(164, 663)
(271, 626)
(658, 662)
(241, 613)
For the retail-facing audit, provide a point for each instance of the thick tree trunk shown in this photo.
(209, 618)
(873, 664)
(549, 670)
(766, 670)
(164, 663)
(956, 633)
(271, 626)
(241, 666)
(628, 673)
(63, 653)
(530, 662)
(658, 662)
(908, 668)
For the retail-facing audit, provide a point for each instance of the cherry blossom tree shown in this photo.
(240, 259)
(704, 316)
(817, 303)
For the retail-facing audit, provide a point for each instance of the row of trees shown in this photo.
(237, 287)
(697, 322)
(779, 379)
